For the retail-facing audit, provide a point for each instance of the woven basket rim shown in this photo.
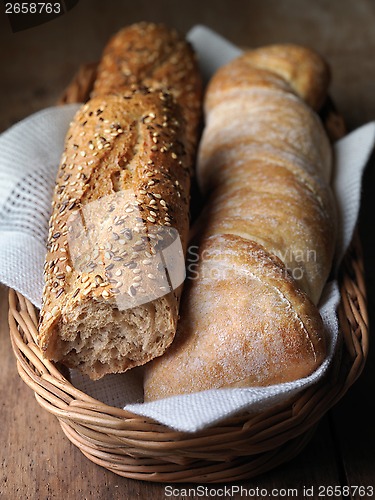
(141, 448)
(239, 447)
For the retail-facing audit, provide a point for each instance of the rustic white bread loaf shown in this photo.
(266, 236)
(124, 175)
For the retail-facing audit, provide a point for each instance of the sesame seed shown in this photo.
(174, 156)
(146, 262)
(55, 311)
(132, 291)
(107, 255)
(68, 269)
(157, 195)
(84, 279)
(151, 219)
(109, 267)
(162, 203)
(76, 293)
(47, 316)
(152, 202)
(105, 293)
(88, 284)
(87, 291)
(151, 276)
(137, 279)
(136, 271)
(154, 214)
(136, 285)
(127, 233)
(118, 272)
(121, 241)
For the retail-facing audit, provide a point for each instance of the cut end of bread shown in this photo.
(98, 338)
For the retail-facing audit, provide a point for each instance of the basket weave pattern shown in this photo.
(238, 448)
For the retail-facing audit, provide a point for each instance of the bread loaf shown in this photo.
(265, 239)
(151, 55)
(122, 189)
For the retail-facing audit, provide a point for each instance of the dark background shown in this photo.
(36, 460)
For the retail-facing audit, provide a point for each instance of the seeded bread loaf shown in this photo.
(122, 194)
(265, 240)
(156, 57)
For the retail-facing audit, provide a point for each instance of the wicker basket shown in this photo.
(238, 448)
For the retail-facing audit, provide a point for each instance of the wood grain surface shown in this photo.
(36, 460)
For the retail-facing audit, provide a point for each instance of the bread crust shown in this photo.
(244, 322)
(156, 57)
(266, 160)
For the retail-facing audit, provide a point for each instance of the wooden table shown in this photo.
(37, 461)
